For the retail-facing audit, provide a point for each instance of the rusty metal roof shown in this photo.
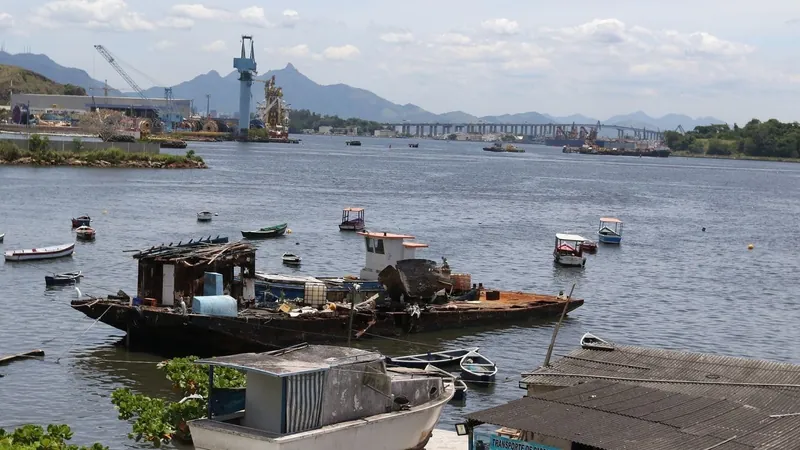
(771, 386)
(614, 415)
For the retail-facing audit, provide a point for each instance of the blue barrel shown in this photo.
(215, 305)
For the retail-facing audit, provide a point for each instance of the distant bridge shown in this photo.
(524, 129)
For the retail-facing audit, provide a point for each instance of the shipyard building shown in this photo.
(135, 106)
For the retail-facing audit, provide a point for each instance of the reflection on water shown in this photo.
(494, 216)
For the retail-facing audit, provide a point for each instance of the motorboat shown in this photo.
(352, 223)
(592, 342)
(56, 251)
(476, 368)
(436, 359)
(81, 221)
(62, 279)
(567, 251)
(85, 233)
(205, 216)
(610, 231)
(291, 259)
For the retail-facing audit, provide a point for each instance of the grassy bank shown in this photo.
(11, 154)
(687, 154)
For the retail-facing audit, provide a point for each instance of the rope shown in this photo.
(84, 332)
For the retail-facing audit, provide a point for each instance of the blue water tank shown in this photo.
(212, 284)
(215, 305)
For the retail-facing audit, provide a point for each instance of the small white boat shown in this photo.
(477, 368)
(592, 342)
(85, 233)
(568, 250)
(56, 251)
(205, 216)
(291, 259)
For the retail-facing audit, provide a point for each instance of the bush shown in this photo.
(38, 144)
(34, 437)
(9, 151)
(77, 145)
(720, 147)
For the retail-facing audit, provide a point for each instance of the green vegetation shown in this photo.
(158, 421)
(31, 83)
(756, 140)
(304, 119)
(39, 153)
(34, 437)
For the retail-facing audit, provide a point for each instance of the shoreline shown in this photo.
(685, 154)
(131, 164)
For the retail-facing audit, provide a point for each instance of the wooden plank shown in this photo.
(12, 358)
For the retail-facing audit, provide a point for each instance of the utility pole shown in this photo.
(208, 106)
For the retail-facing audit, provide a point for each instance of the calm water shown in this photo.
(492, 215)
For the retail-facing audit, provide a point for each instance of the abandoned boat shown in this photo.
(82, 221)
(476, 368)
(62, 279)
(266, 232)
(85, 233)
(332, 398)
(352, 224)
(155, 320)
(592, 342)
(32, 254)
(436, 359)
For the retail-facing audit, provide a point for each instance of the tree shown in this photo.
(104, 122)
(158, 421)
(34, 437)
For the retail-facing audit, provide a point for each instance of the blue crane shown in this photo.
(168, 115)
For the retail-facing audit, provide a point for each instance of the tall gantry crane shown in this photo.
(168, 115)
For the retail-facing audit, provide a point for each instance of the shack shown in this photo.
(169, 273)
(638, 397)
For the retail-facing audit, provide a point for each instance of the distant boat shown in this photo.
(353, 143)
(592, 342)
(568, 251)
(82, 221)
(2, 235)
(85, 233)
(477, 368)
(291, 259)
(62, 279)
(497, 147)
(352, 224)
(458, 383)
(589, 246)
(436, 359)
(266, 232)
(610, 231)
(413, 145)
(56, 251)
(204, 216)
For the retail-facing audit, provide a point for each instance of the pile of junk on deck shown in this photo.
(207, 297)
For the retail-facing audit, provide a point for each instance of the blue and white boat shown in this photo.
(610, 231)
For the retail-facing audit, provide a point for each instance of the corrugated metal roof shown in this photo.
(613, 415)
(694, 374)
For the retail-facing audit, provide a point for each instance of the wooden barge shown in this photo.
(165, 329)
(176, 284)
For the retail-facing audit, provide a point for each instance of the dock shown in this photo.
(442, 439)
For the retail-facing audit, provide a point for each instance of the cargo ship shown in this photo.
(561, 142)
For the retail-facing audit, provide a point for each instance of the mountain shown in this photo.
(27, 81)
(48, 68)
(336, 99)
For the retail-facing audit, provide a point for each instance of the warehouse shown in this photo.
(39, 103)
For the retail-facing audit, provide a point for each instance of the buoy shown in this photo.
(750, 246)
(105, 212)
(289, 231)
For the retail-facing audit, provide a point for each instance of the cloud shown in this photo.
(343, 53)
(96, 14)
(452, 39)
(198, 11)
(6, 21)
(216, 46)
(290, 18)
(398, 38)
(298, 51)
(178, 23)
(254, 15)
(164, 44)
(501, 26)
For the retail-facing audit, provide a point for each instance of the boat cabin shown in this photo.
(352, 219)
(385, 249)
(316, 396)
(169, 273)
(568, 250)
(610, 231)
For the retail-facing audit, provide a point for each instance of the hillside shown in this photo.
(42, 64)
(32, 83)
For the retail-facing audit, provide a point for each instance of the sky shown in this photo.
(733, 59)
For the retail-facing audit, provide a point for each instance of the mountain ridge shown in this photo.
(335, 99)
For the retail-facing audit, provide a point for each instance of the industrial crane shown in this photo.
(167, 115)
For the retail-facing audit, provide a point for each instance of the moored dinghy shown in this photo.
(62, 279)
(204, 216)
(85, 233)
(291, 259)
(476, 368)
(458, 383)
(436, 359)
(31, 254)
(592, 342)
(82, 221)
(266, 232)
